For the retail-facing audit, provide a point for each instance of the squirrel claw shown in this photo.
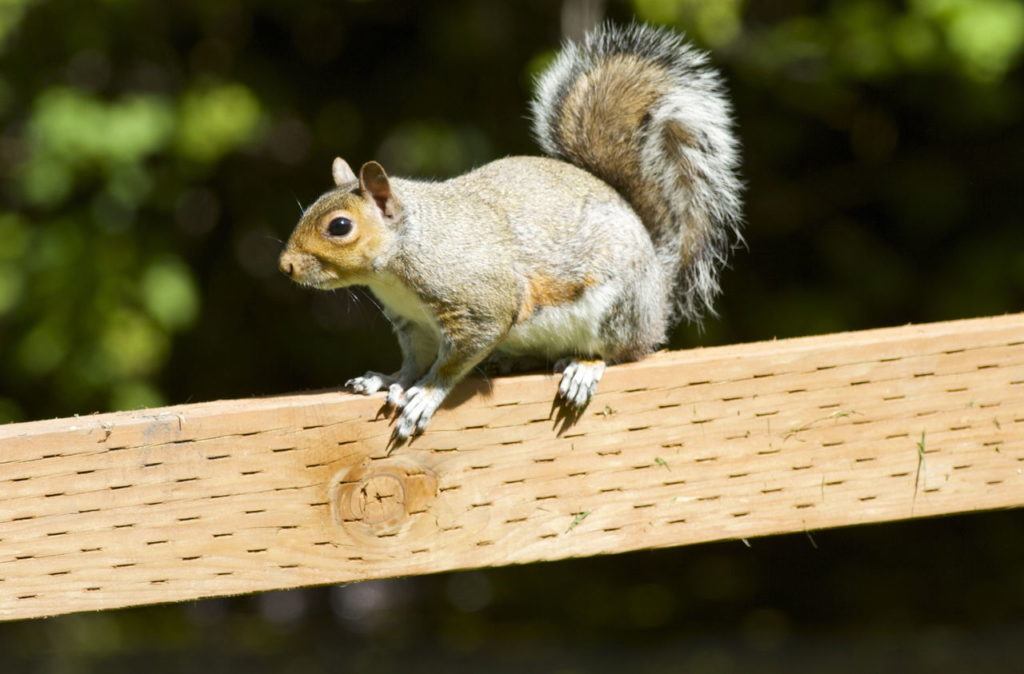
(579, 381)
(396, 396)
(420, 405)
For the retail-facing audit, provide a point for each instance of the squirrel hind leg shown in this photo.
(579, 380)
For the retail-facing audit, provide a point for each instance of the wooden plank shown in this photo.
(733, 442)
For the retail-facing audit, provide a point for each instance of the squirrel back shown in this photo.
(641, 109)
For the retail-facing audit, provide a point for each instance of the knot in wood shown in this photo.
(379, 499)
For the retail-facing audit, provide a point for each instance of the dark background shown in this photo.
(153, 155)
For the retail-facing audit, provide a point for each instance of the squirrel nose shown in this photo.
(286, 267)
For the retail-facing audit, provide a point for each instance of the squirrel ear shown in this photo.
(374, 182)
(342, 172)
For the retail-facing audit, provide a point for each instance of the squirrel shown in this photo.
(585, 257)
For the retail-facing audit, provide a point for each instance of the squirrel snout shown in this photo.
(286, 265)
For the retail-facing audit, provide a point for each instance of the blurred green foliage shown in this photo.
(149, 173)
(152, 155)
(93, 287)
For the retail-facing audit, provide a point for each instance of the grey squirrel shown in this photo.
(587, 256)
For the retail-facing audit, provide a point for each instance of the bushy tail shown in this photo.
(642, 110)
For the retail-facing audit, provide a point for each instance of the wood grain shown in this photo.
(733, 442)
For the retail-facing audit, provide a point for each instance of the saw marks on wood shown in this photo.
(731, 442)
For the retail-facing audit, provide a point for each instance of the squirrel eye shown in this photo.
(339, 227)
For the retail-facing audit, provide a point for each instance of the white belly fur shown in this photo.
(402, 302)
(552, 332)
(564, 330)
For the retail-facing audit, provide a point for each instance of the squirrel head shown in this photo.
(340, 240)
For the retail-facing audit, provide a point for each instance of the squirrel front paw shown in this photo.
(420, 403)
(369, 383)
